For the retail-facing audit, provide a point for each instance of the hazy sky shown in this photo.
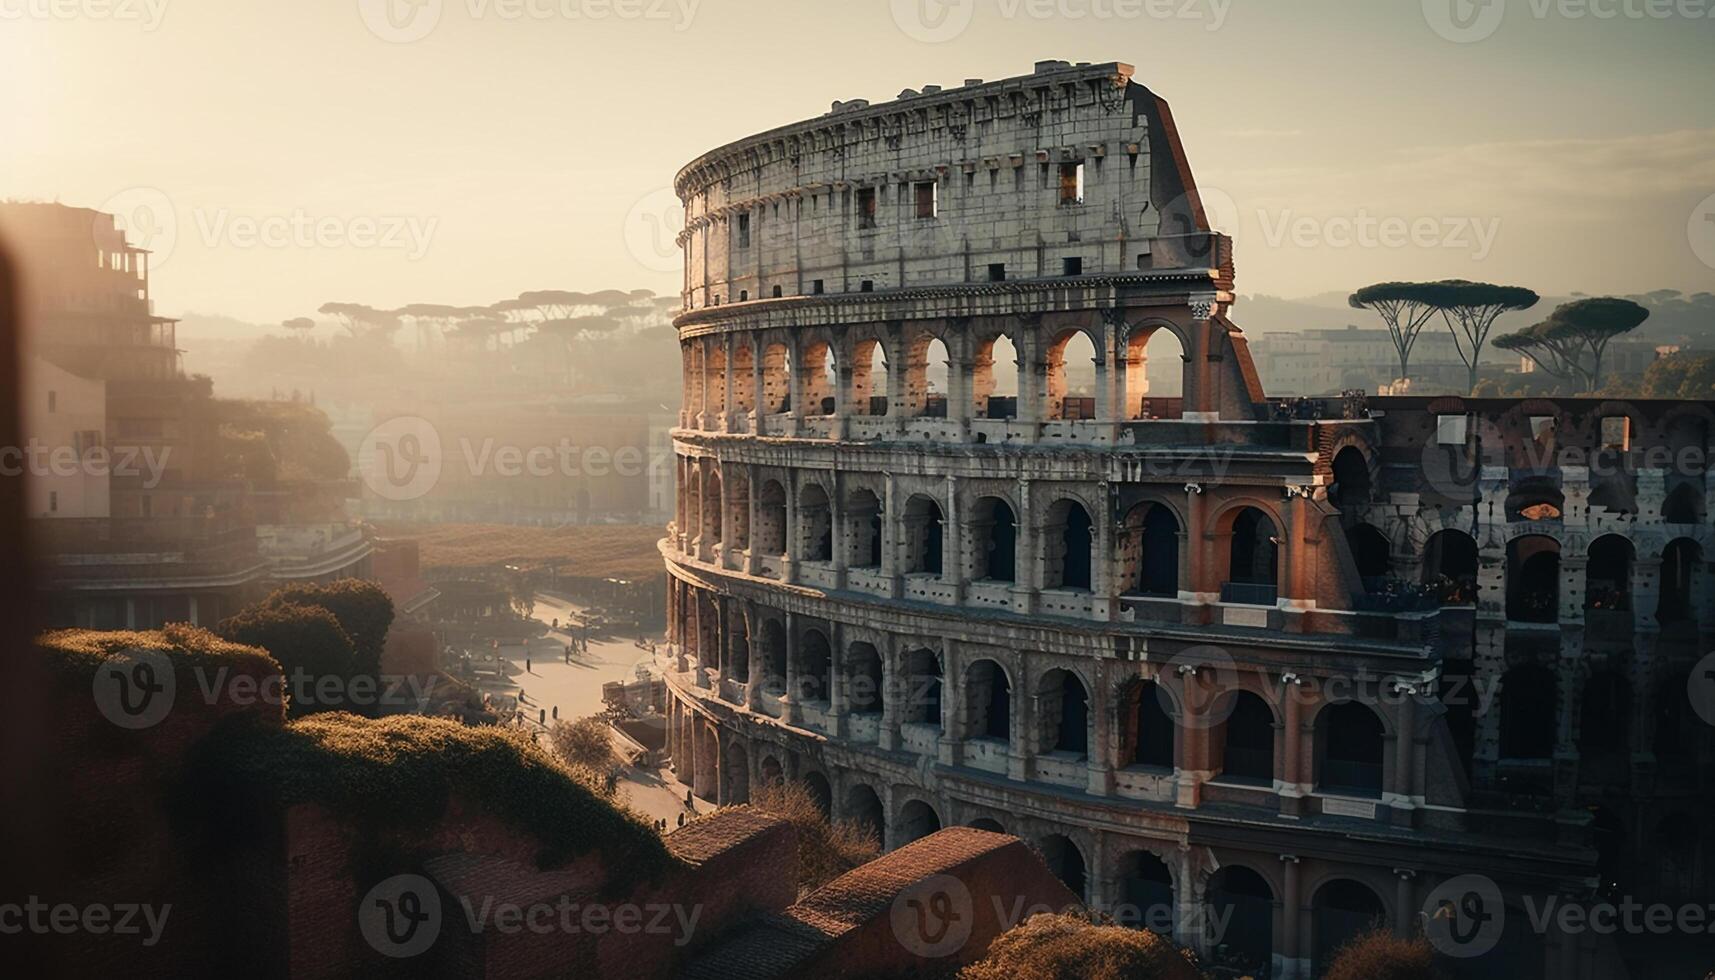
(298, 152)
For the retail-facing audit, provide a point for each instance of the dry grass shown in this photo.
(1381, 955)
(826, 849)
(1068, 947)
(590, 551)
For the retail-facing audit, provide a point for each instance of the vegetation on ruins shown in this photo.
(79, 653)
(583, 743)
(363, 609)
(1571, 343)
(826, 848)
(307, 641)
(1063, 947)
(403, 773)
(1381, 955)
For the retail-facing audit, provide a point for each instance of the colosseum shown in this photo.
(984, 518)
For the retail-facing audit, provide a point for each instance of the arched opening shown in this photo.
(1154, 374)
(1072, 377)
(1680, 562)
(1349, 743)
(1150, 731)
(989, 824)
(869, 379)
(863, 529)
(1069, 554)
(768, 537)
(1150, 551)
(863, 808)
(772, 774)
(1450, 564)
(1352, 487)
(864, 686)
(1370, 552)
(1253, 559)
(1604, 716)
(922, 525)
(821, 379)
(735, 775)
(814, 669)
(1246, 739)
(1608, 575)
(714, 507)
(820, 792)
(1342, 911)
(714, 376)
(1146, 893)
(776, 380)
(1528, 712)
(1677, 726)
(988, 701)
(736, 663)
(815, 523)
(923, 688)
(1066, 862)
(994, 541)
(926, 387)
(917, 820)
(1065, 713)
(1684, 505)
(1533, 579)
(743, 367)
(1243, 900)
(774, 657)
(708, 633)
(737, 510)
(994, 380)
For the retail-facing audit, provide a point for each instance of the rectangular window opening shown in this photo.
(1072, 265)
(1071, 183)
(866, 207)
(997, 272)
(928, 199)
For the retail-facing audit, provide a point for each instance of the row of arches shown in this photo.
(987, 367)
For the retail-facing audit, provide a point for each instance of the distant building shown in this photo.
(1327, 362)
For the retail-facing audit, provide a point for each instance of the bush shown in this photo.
(1069, 947)
(306, 640)
(362, 608)
(1381, 955)
(584, 742)
(826, 849)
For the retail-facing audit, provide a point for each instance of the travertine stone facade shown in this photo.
(940, 554)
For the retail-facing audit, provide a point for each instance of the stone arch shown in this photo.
(735, 774)
(1341, 910)
(714, 507)
(1529, 712)
(735, 658)
(1149, 549)
(773, 656)
(994, 382)
(1370, 552)
(987, 700)
(819, 374)
(1350, 747)
(1683, 505)
(1244, 738)
(864, 808)
(923, 531)
(1450, 563)
(1146, 892)
(1072, 375)
(743, 367)
(917, 819)
(768, 537)
(989, 824)
(737, 518)
(1533, 579)
(708, 632)
(863, 531)
(865, 681)
(776, 378)
(1248, 545)
(1604, 715)
(821, 792)
(1154, 394)
(922, 679)
(1536, 498)
(928, 376)
(1149, 725)
(1064, 712)
(1608, 574)
(815, 522)
(1681, 572)
(814, 668)
(714, 373)
(1354, 479)
(870, 377)
(770, 770)
(994, 540)
(1069, 546)
(1066, 861)
(1243, 899)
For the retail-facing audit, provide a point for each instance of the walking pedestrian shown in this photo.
(527, 665)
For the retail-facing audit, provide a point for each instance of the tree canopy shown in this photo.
(306, 640)
(1470, 310)
(363, 609)
(1405, 308)
(1572, 342)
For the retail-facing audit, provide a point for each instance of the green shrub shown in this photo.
(1069, 947)
(306, 640)
(362, 608)
(582, 743)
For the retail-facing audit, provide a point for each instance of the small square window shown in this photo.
(1617, 433)
(867, 286)
(1450, 430)
(1072, 265)
(744, 295)
(776, 293)
(997, 272)
(818, 287)
(928, 199)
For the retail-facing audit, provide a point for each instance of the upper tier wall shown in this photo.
(1069, 171)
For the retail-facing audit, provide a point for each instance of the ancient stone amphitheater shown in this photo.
(985, 519)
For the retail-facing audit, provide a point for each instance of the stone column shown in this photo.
(794, 713)
(893, 691)
(1405, 752)
(1404, 912)
(758, 385)
(754, 664)
(1294, 786)
(839, 698)
(837, 530)
(703, 383)
(952, 708)
(795, 387)
(1027, 581)
(890, 537)
(1020, 747)
(1099, 762)
(953, 548)
(794, 539)
(1104, 581)
(959, 377)
(752, 474)
(727, 387)
(843, 392)
(1296, 966)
